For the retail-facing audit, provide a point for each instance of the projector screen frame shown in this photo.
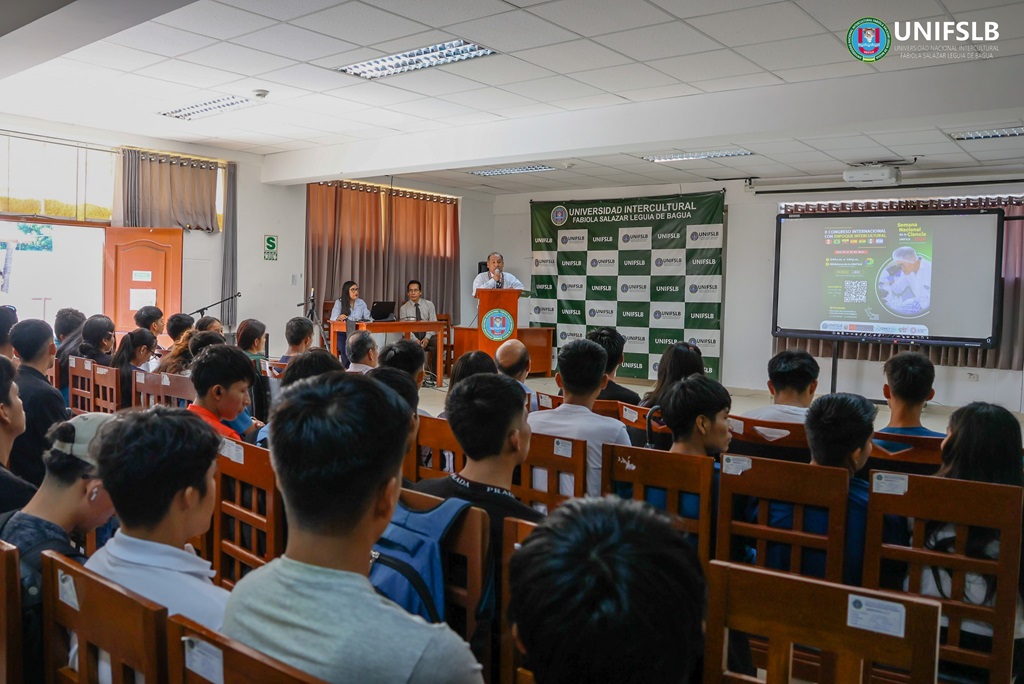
(989, 342)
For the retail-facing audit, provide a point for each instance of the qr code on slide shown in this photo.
(855, 291)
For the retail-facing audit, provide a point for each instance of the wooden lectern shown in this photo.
(498, 318)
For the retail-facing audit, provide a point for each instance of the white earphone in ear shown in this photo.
(93, 494)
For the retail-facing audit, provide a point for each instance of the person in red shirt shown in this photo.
(222, 376)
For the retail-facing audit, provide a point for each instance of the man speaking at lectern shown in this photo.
(495, 278)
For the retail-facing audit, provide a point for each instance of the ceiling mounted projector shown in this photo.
(873, 176)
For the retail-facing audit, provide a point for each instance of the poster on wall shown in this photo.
(650, 266)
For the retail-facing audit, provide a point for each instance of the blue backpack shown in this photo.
(406, 561)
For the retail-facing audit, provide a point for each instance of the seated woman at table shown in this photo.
(350, 308)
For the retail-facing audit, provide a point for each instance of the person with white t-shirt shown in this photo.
(581, 365)
(792, 381)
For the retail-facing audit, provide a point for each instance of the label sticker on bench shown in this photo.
(71, 362)
(876, 615)
(66, 589)
(736, 426)
(544, 400)
(165, 379)
(206, 660)
(101, 371)
(232, 450)
(735, 465)
(629, 414)
(140, 377)
(889, 483)
(563, 447)
(87, 365)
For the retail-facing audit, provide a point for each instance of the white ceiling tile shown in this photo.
(190, 74)
(771, 171)
(296, 145)
(754, 24)
(576, 55)
(527, 110)
(75, 72)
(821, 168)
(863, 154)
(432, 82)
(696, 8)
(325, 104)
(277, 92)
(310, 77)
(705, 66)
(625, 77)
(114, 56)
(925, 150)
(262, 150)
(254, 138)
(241, 60)
(490, 99)
(823, 48)
(922, 137)
(956, 6)
(497, 70)
(413, 42)
(163, 40)
(283, 11)
(375, 94)
(838, 16)
(802, 157)
(991, 144)
(363, 54)
(442, 13)
(355, 22)
(334, 139)
(823, 71)
(845, 142)
(998, 155)
(294, 42)
(660, 93)
(420, 125)
(775, 147)
(584, 18)
(553, 88)
(511, 31)
(214, 19)
(434, 108)
(694, 165)
(1010, 18)
(227, 144)
(612, 159)
(149, 87)
(738, 82)
(591, 102)
(285, 130)
(946, 160)
(381, 117)
(660, 41)
(471, 119)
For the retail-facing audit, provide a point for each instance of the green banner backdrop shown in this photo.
(651, 266)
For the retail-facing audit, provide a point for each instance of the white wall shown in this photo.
(749, 271)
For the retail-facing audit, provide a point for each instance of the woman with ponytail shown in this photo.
(132, 354)
(94, 340)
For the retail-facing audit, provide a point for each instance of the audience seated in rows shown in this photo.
(67, 321)
(909, 377)
(70, 500)
(150, 318)
(178, 324)
(361, 349)
(467, 365)
(14, 491)
(613, 343)
(308, 364)
(133, 354)
(222, 376)
(839, 430)
(298, 333)
(210, 323)
(406, 355)
(512, 358)
(581, 375)
(792, 381)
(250, 338)
(679, 360)
(43, 404)
(487, 414)
(178, 358)
(8, 317)
(336, 445)
(984, 445)
(94, 340)
(606, 590)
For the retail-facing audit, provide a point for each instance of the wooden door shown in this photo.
(141, 266)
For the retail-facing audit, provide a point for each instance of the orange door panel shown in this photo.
(141, 265)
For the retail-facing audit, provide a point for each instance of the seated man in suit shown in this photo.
(419, 309)
(607, 590)
(792, 381)
(336, 445)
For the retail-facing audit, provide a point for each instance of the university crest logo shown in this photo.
(868, 39)
(497, 325)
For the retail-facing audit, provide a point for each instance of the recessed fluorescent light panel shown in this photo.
(710, 154)
(221, 105)
(509, 170)
(985, 135)
(421, 58)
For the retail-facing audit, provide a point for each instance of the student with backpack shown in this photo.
(336, 445)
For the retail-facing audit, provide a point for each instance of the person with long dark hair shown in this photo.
(679, 360)
(94, 340)
(250, 338)
(133, 353)
(179, 357)
(350, 308)
(983, 444)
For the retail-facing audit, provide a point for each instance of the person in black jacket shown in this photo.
(14, 491)
(614, 344)
(44, 406)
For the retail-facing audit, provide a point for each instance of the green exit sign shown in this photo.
(270, 248)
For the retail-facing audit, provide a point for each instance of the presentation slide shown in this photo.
(928, 278)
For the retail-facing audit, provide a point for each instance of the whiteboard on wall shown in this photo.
(52, 267)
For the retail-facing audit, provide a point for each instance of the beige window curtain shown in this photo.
(423, 244)
(1009, 354)
(161, 190)
(381, 239)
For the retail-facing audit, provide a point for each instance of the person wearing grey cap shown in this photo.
(71, 498)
